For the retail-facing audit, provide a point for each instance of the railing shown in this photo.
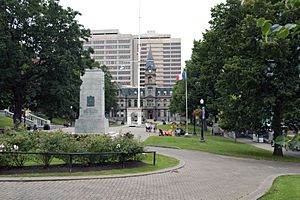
(30, 119)
(71, 155)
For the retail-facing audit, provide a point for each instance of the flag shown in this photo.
(181, 76)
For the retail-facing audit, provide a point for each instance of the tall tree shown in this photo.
(248, 82)
(110, 90)
(41, 54)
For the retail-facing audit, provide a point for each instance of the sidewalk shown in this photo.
(268, 147)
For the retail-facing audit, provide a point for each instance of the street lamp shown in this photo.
(202, 120)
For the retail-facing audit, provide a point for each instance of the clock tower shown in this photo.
(150, 111)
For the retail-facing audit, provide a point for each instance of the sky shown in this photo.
(186, 19)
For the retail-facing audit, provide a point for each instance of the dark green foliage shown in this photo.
(59, 142)
(41, 57)
(245, 82)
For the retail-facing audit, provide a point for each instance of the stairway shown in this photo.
(30, 119)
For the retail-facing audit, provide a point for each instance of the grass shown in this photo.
(284, 187)
(218, 145)
(190, 128)
(58, 121)
(6, 122)
(162, 162)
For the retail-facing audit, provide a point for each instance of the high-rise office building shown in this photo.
(119, 52)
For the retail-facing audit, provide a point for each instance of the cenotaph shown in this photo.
(92, 105)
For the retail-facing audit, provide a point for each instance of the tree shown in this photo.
(250, 83)
(41, 55)
(110, 90)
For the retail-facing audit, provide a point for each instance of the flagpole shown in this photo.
(186, 104)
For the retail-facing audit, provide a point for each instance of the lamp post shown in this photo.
(202, 120)
(194, 125)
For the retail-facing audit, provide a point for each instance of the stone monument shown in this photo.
(92, 105)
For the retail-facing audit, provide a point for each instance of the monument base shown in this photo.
(91, 126)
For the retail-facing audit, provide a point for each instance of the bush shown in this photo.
(59, 142)
(49, 142)
(46, 127)
(17, 141)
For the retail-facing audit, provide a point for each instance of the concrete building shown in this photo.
(119, 52)
(114, 50)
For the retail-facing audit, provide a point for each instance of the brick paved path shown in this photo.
(205, 176)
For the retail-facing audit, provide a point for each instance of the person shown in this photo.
(177, 131)
(147, 127)
(34, 127)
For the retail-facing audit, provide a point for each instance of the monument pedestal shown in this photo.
(84, 125)
(92, 105)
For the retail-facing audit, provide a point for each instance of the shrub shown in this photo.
(48, 142)
(18, 141)
(46, 127)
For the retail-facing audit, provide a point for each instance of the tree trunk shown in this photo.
(18, 101)
(276, 124)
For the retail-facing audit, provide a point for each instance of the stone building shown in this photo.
(155, 99)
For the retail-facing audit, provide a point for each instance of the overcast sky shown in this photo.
(185, 19)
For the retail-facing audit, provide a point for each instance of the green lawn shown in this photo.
(6, 122)
(190, 128)
(284, 187)
(217, 145)
(161, 163)
(58, 121)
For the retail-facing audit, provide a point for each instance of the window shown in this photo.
(98, 47)
(111, 41)
(124, 57)
(98, 52)
(135, 103)
(112, 47)
(98, 42)
(124, 46)
(111, 52)
(175, 43)
(124, 51)
(124, 41)
(98, 57)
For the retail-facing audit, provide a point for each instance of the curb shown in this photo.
(166, 147)
(263, 187)
(75, 178)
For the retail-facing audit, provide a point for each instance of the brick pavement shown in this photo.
(205, 176)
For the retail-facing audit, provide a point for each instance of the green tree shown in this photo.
(110, 90)
(41, 55)
(248, 82)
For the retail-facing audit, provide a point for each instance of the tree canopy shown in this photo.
(246, 83)
(41, 56)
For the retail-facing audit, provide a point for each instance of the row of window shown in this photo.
(172, 56)
(171, 52)
(113, 52)
(112, 57)
(168, 44)
(166, 48)
(173, 68)
(171, 64)
(170, 72)
(172, 60)
(121, 78)
(108, 42)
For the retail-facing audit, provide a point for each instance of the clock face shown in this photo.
(150, 70)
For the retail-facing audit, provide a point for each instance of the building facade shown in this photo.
(154, 99)
(119, 52)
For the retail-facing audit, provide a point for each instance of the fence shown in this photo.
(123, 155)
